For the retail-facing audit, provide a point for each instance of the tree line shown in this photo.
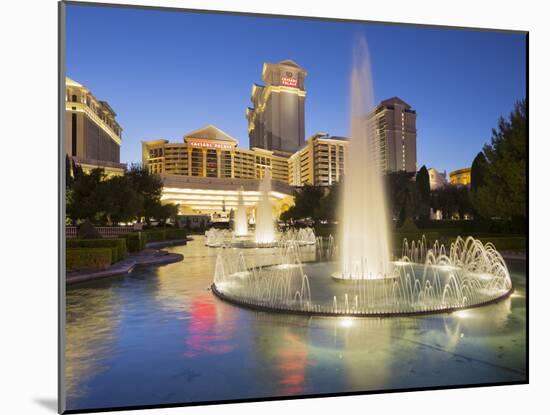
(110, 200)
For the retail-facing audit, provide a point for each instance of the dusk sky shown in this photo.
(167, 73)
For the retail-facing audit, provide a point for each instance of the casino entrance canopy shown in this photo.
(209, 195)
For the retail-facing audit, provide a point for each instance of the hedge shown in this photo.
(172, 234)
(88, 258)
(506, 243)
(118, 246)
(431, 237)
(455, 227)
(511, 243)
(135, 241)
(156, 235)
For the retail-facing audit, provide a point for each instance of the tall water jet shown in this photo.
(241, 226)
(364, 232)
(265, 230)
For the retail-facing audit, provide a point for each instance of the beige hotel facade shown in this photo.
(394, 125)
(92, 134)
(203, 173)
(276, 121)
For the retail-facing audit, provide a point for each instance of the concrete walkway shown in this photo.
(145, 257)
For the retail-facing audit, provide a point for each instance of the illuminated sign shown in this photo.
(208, 145)
(289, 81)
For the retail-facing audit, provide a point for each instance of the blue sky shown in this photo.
(167, 73)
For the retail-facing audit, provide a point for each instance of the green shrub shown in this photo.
(506, 243)
(167, 234)
(511, 243)
(431, 237)
(88, 258)
(408, 226)
(135, 241)
(175, 233)
(155, 235)
(476, 226)
(118, 246)
(87, 230)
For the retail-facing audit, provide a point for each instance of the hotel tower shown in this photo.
(276, 120)
(394, 124)
(93, 136)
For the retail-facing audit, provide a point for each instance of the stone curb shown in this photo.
(124, 267)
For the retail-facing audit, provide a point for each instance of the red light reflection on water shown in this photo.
(207, 332)
(293, 361)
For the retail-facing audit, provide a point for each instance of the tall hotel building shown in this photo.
(276, 120)
(321, 162)
(394, 125)
(93, 136)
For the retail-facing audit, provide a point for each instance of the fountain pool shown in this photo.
(365, 281)
(109, 341)
(226, 238)
(470, 275)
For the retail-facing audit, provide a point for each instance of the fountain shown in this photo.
(364, 235)
(265, 230)
(427, 278)
(265, 235)
(241, 225)
(470, 275)
(217, 237)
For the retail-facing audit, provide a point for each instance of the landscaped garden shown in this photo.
(95, 199)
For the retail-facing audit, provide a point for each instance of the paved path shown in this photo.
(145, 257)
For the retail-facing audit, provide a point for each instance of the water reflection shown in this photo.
(159, 336)
(90, 331)
(204, 332)
(292, 365)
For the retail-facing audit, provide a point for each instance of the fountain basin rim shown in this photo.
(306, 313)
(253, 244)
(336, 276)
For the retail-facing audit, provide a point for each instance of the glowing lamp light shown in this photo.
(346, 322)
(463, 314)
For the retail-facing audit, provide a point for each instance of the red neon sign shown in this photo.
(289, 81)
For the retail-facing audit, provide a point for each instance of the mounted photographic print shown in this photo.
(261, 207)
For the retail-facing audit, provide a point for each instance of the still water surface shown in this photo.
(159, 336)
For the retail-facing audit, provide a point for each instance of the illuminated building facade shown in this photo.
(214, 196)
(321, 162)
(461, 177)
(203, 173)
(394, 127)
(276, 119)
(210, 152)
(93, 136)
(437, 179)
